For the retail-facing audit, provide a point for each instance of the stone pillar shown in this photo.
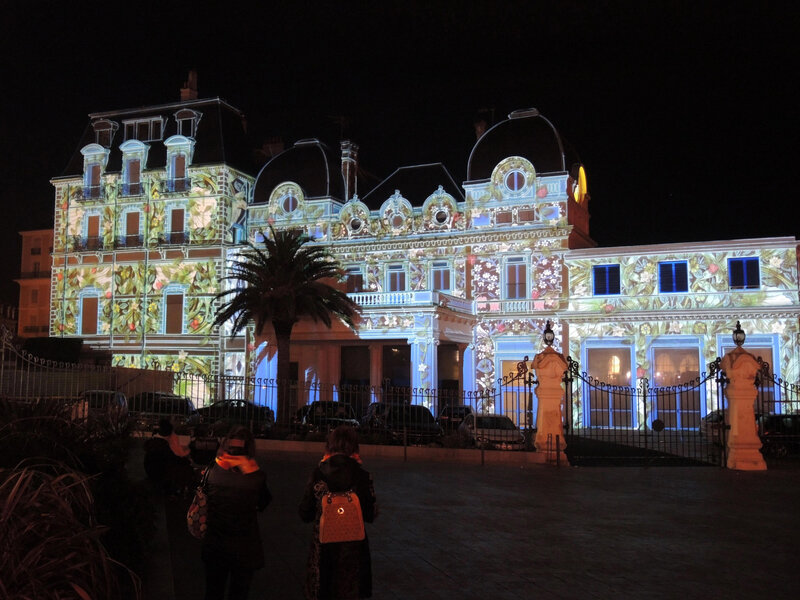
(550, 366)
(743, 442)
(424, 369)
(375, 371)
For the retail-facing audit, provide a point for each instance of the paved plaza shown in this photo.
(449, 530)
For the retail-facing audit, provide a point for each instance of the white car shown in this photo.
(492, 431)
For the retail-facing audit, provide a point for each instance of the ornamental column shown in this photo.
(744, 445)
(550, 367)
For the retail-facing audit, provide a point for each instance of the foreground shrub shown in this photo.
(50, 544)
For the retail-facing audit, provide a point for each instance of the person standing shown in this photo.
(339, 570)
(237, 490)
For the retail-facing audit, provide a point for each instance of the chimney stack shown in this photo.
(189, 89)
(349, 168)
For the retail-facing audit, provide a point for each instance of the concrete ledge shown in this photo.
(420, 453)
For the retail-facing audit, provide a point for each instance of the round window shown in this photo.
(515, 181)
(397, 221)
(355, 224)
(289, 203)
(441, 216)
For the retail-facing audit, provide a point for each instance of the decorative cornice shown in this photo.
(683, 315)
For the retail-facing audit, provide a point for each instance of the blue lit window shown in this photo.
(516, 278)
(354, 280)
(673, 277)
(396, 278)
(440, 276)
(744, 273)
(606, 280)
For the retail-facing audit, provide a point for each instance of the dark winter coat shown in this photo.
(233, 534)
(343, 570)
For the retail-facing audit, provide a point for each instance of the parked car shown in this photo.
(411, 422)
(492, 431)
(712, 425)
(324, 415)
(105, 404)
(780, 434)
(148, 408)
(223, 414)
(450, 417)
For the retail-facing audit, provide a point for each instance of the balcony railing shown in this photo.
(411, 298)
(181, 184)
(132, 189)
(93, 192)
(129, 241)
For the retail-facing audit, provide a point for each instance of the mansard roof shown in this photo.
(525, 133)
(310, 164)
(415, 183)
(220, 137)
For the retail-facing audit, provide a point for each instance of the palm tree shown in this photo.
(280, 285)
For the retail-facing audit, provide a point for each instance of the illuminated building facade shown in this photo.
(34, 284)
(456, 281)
(145, 213)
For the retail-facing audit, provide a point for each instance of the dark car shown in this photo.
(148, 408)
(108, 406)
(223, 414)
(450, 417)
(412, 423)
(780, 434)
(324, 415)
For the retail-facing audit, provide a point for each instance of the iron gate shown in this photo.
(643, 425)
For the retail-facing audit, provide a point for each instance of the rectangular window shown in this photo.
(673, 277)
(36, 251)
(132, 229)
(516, 278)
(89, 315)
(177, 235)
(174, 313)
(526, 215)
(144, 130)
(606, 280)
(133, 186)
(440, 274)
(354, 281)
(743, 273)
(93, 188)
(93, 232)
(396, 278)
(179, 182)
(34, 296)
(503, 218)
(610, 406)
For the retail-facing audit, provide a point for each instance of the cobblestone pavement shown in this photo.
(503, 531)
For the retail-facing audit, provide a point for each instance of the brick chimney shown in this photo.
(189, 89)
(349, 168)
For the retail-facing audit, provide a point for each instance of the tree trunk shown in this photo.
(287, 389)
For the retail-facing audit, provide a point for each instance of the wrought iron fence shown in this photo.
(613, 424)
(777, 416)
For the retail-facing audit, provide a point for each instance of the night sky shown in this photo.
(680, 111)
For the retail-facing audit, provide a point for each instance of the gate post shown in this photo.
(550, 367)
(743, 442)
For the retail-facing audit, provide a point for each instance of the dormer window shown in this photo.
(179, 156)
(134, 159)
(187, 121)
(95, 159)
(145, 130)
(104, 131)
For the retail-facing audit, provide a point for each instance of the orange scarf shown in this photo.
(244, 464)
(354, 456)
